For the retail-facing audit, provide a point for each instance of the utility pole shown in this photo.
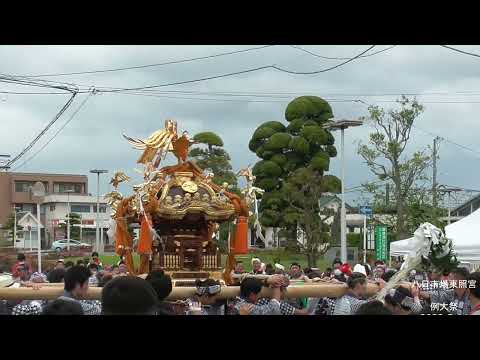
(387, 194)
(98, 247)
(14, 225)
(434, 177)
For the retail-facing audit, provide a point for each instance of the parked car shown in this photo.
(60, 245)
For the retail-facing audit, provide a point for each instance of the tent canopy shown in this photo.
(465, 235)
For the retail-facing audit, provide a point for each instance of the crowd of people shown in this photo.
(123, 293)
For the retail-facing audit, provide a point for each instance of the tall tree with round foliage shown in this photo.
(289, 151)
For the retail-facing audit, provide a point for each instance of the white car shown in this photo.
(60, 245)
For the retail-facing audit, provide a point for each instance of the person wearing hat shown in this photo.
(258, 268)
(279, 269)
(346, 269)
(359, 268)
(205, 300)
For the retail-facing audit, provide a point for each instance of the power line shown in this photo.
(31, 93)
(113, 89)
(56, 133)
(267, 94)
(460, 51)
(37, 83)
(153, 65)
(448, 140)
(327, 69)
(338, 58)
(29, 146)
(361, 186)
(218, 99)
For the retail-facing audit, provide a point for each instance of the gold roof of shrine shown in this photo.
(188, 192)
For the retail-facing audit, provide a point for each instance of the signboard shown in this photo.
(88, 222)
(370, 238)
(366, 210)
(381, 242)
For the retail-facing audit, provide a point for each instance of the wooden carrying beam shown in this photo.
(228, 292)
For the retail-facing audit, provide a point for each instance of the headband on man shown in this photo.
(208, 290)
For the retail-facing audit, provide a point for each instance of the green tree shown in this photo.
(10, 223)
(75, 219)
(215, 158)
(301, 191)
(384, 155)
(283, 149)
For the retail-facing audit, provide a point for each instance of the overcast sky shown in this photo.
(93, 137)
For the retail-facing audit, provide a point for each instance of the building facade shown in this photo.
(62, 191)
(465, 209)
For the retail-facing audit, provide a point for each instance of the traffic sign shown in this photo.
(366, 210)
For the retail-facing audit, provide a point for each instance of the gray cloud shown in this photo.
(93, 138)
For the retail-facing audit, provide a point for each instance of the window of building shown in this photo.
(52, 207)
(475, 205)
(27, 207)
(63, 187)
(103, 208)
(80, 208)
(23, 186)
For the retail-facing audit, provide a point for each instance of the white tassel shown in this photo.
(421, 243)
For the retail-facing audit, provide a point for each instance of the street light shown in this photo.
(342, 125)
(97, 221)
(68, 218)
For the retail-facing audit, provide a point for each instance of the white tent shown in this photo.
(465, 235)
(400, 248)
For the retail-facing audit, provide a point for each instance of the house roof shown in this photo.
(329, 198)
(467, 203)
(27, 219)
